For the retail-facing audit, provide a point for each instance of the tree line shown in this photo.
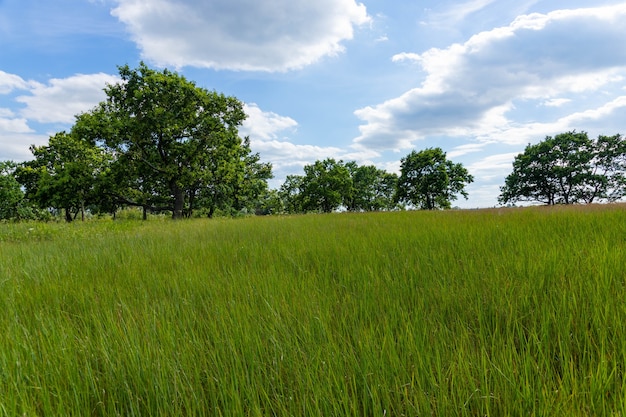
(160, 143)
(428, 180)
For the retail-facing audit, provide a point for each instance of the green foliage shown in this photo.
(567, 169)
(373, 189)
(174, 144)
(466, 313)
(11, 195)
(290, 194)
(325, 186)
(158, 142)
(329, 184)
(64, 174)
(430, 181)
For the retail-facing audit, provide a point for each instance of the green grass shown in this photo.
(514, 312)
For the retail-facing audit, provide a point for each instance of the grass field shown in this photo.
(518, 312)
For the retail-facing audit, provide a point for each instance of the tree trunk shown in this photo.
(68, 215)
(179, 202)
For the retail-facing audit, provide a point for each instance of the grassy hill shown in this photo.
(487, 312)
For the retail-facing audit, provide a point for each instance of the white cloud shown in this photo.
(11, 82)
(597, 113)
(470, 89)
(406, 56)
(465, 149)
(270, 135)
(55, 102)
(13, 125)
(14, 145)
(276, 35)
(61, 99)
(491, 163)
(556, 102)
(460, 11)
(285, 154)
(262, 125)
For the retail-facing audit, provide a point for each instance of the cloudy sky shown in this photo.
(365, 80)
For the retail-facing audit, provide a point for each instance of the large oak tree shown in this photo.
(171, 141)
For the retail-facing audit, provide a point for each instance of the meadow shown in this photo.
(501, 312)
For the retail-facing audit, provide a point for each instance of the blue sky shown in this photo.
(366, 81)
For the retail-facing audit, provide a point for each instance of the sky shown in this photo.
(368, 80)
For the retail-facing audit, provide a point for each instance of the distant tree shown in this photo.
(11, 195)
(373, 189)
(326, 185)
(567, 169)
(64, 174)
(173, 143)
(329, 184)
(270, 202)
(429, 181)
(290, 193)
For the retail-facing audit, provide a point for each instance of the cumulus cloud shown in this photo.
(60, 100)
(276, 35)
(599, 113)
(56, 101)
(261, 125)
(272, 135)
(15, 146)
(10, 82)
(286, 154)
(10, 124)
(470, 88)
(492, 165)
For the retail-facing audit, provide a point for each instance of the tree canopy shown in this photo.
(328, 185)
(158, 142)
(64, 174)
(429, 181)
(568, 168)
(11, 195)
(171, 139)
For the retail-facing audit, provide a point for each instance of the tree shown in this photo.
(329, 184)
(11, 195)
(238, 181)
(609, 164)
(171, 140)
(373, 189)
(64, 174)
(428, 180)
(568, 168)
(326, 185)
(251, 181)
(291, 194)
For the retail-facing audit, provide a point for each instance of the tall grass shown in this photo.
(489, 312)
